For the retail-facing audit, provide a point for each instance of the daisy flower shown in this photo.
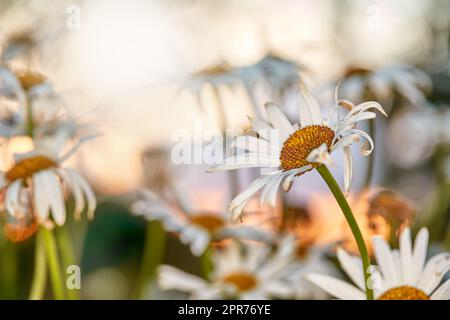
(25, 92)
(386, 82)
(195, 228)
(38, 179)
(286, 150)
(401, 274)
(432, 128)
(275, 73)
(312, 258)
(255, 273)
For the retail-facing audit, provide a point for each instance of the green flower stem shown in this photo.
(371, 158)
(206, 263)
(30, 124)
(347, 211)
(9, 270)
(53, 263)
(40, 270)
(67, 255)
(154, 247)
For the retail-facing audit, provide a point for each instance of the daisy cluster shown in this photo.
(35, 184)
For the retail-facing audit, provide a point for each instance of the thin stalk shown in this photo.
(206, 263)
(347, 211)
(53, 263)
(9, 270)
(30, 124)
(40, 270)
(67, 255)
(154, 247)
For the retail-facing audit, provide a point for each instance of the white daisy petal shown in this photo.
(434, 271)
(278, 120)
(443, 292)
(348, 168)
(40, 199)
(386, 261)
(336, 287)
(173, 278)
(407, 257)
(420, 252)
(309, 108)
(12, 197)
(55, 196)
(351, 268)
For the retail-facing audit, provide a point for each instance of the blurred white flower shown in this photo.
(384, 83)
(274, 74)
(25, 92)
(401, 274)
(38, 182)
(309, 259)
(286, 151)
(195, 228)
(253, 273)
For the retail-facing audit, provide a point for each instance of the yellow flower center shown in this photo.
(210, 222)
(300, 144)
(404, 293)
(27, 167)
(30, 79)
(243, 281)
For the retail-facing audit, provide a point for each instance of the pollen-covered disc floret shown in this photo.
(243, 281)
(27, 167)
(285, 150)
(300, 144)
(400, 274)
(208, 222)
(404, 293)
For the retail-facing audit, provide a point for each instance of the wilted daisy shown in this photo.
(196, 228)
(384, 83)
(288, 150)
(401, 274)
(37, 179)
(252, 273)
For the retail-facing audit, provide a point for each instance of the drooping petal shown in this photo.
(348, 168)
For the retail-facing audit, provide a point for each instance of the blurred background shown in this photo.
(141, 69)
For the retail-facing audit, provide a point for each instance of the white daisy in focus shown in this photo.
(196, 228)
(287, 150)
(38, 180)
(401, 274)
(253, 273)
(383, 84)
